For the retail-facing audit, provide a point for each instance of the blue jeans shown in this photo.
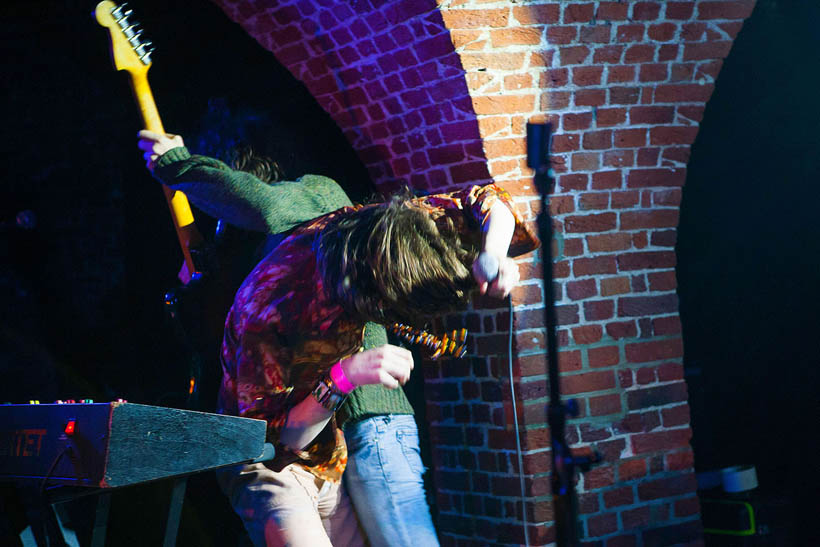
(384, 479)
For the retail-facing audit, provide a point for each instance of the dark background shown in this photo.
(749, 261)
(82, 292)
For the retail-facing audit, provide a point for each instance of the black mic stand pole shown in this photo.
(563, 462)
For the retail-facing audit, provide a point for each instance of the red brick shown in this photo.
(601, 525)
(631, 32)
(603, 357)
(619, 497)
(694, 113)
(625, 376)
(676, 415)
(630, 138)
(654, 351)
(608, 55)
(590, 97)
(665, 326)
(596, 201)
(477, 18)
(597, 140)
(618, 158)
(594, 266)
(580, 290)
(576, 121)
(611, 116)
(639, 517)
(573, 55)
(732, 29)
(587, 75)
(590, 223)
(624, 95)
(687, 507)
(673, 134)
(565, 143)
(662, 281)
(586, 161)
(599, 477)
(667, 198)
(725, 10)
(605, 405)
(648, 397)
(654, 72)
(612, 286)
(598, 310)
(648, 157)
(607, 243)
(612, 11)
(623, 200)
(587, 382)
(647, 305)
(680, 10)
(646, 11)
(684, 483)
(643, 178)
(596, 34)
(668, 372)
(543, 14)
(587, 334)
(662, 32)
(573, 246)
(706, 50)
(631, 469)
(604, 180)
(561, 35)
(667, 52)
(640, 53)
(679, 93)
(579, 12)
(653, 218)
(621, 74)
(573, 181)
(646, 260)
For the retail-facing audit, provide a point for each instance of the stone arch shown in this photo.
(436, 95)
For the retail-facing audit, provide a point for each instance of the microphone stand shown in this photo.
(539, 136)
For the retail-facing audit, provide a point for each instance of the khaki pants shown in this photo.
(291, 507)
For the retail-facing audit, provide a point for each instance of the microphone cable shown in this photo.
(517, 432)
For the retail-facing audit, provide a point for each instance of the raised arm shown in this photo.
(235, 196)
(490, 210)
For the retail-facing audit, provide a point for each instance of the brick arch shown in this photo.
(436, 95)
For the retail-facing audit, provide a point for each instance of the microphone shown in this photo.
(488, 266)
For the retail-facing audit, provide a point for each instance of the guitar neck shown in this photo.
(132, 54)
(181, 214)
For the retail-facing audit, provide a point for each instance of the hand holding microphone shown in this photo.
(495, 276)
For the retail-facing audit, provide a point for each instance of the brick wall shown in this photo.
(436, 95)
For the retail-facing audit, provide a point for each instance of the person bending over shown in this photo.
(291, 351)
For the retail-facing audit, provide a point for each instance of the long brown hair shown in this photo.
(391, 262)
(245, 158)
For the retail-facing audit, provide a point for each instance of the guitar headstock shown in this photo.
(128, 50)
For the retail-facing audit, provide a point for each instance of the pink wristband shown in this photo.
(339, 378)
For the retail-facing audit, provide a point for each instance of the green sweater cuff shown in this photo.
(179, 153)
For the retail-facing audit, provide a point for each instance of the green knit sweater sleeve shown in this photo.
(375, 399)
(243, 200)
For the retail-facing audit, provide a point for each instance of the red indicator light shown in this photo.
(69, 427)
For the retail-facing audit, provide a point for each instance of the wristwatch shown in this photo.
(327, 394)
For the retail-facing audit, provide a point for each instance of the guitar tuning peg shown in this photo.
(122, 16)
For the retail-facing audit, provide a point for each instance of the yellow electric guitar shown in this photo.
(132, 54)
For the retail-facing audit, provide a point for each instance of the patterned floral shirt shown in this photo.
(283, 331)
